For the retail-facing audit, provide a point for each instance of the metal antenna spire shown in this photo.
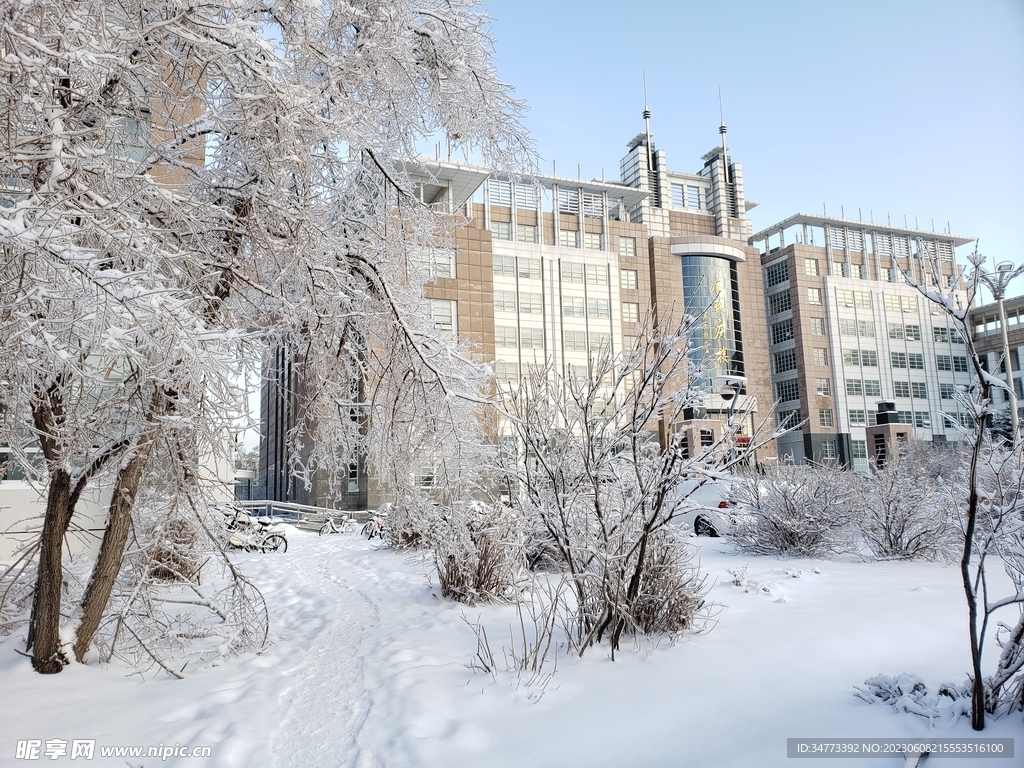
(723, 130)
(647, 127)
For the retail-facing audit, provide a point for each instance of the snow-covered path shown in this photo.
(329, 678)
(368, 668)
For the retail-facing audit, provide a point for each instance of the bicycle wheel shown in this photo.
(328, 527)
(369, 529)
(275, 542)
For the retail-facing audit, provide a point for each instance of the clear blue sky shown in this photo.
(901, 107)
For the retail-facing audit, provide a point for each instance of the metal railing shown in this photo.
(304, 515)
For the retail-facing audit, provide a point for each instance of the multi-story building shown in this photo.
(987, 329)
(553, 270)
(846, 331)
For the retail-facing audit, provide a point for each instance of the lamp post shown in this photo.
(729, 390)
(996, 282)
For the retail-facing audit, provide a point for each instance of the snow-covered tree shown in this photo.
(987, 499)
(600, 472)
(186, 185)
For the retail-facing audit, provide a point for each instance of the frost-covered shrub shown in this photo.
(906, 515)
(799, 511)
(478, 552)
(672, 589)
(410, 522)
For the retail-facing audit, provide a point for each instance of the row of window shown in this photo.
(572, 306)
(533, 338)
(567, 238)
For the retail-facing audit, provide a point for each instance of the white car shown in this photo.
(708, 510)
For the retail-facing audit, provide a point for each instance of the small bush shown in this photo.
(672, 591)
(478, 552)
(799, 511)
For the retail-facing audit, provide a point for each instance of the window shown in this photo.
(501, 230)
(858, 418)
(779, 302)
(866, 328)
(844, 298)
(817, 326)
(597, 274)
(569, 201)
(915, 360)
(919, 390)
(814, 296)
(592, 241)
(785, 361)
(904, 417)
(573, 306)
(593, 205)
(597, 308)
(506, 336)
(529, 268)
(861, 271)
(825, 417)
(895, 331)
(872, 388)
(526, 196)
(944, 362)
(506, 371)
(823, 387)
(828, 449)
(787, 390)
(531, 303)
(504, 301)
(630, 312)
(499, 192)
(526, 233)
(679, 195)
(892, 303)
(628, 279)
(504, 266)
(627, 247)
(960, 364)
(787, 418)
(859, 449)
(820, 356)
(435, 262)
(443, 313)
(887, 275)
(862, 299)
(851, 357)
(869, 357)
(600, 342)
(940, 335)
(922, 419)
(776, 273)
(913, 332)
(901, 388)
(532, 338)
(574, 341)
(947, 391)
(811, 267)
(629, 343)
(847, 327)
(898, 359)
(571, 273)
(908, 303)
(782, 331)
(569, 238)
(854, 387)
(707, 438)
(693, 197)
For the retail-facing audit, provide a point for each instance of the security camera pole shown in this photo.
(730, 387)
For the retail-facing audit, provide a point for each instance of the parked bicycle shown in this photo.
(260, 534)
(343, 524)
(378, 518)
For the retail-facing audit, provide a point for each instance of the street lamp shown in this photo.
(996, 282)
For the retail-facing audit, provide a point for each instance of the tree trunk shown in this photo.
(44, 627)
(115, 536)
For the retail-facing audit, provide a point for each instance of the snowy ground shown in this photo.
(369, 668)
